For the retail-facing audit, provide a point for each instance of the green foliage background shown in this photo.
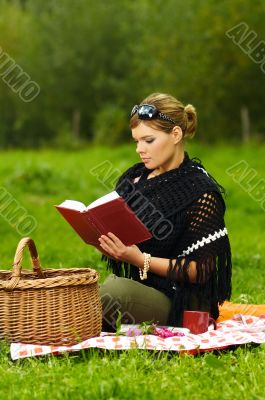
(97, 59)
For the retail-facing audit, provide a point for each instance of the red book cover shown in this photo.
(112, 216)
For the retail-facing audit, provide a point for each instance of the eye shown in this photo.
(146, 140)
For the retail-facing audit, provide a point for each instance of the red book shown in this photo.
(109, 213)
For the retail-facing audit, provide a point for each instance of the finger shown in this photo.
(115, 239)
(115, 244)
(108, 251)
(106, 248)
(107, 240)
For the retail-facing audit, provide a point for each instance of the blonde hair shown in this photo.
(184, 116)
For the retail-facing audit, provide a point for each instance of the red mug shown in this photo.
(197, 321)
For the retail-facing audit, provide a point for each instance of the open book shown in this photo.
(109, 213)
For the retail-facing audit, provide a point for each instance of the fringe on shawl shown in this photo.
(211, 289)
(118, 268)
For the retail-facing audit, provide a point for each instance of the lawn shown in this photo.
(37, 181)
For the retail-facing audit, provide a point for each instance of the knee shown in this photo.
(111, 302)
(113, 289)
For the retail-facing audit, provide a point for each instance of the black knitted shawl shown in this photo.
(184, 209)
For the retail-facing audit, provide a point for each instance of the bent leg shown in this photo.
(135, 301)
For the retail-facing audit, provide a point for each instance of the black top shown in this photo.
(184, 209)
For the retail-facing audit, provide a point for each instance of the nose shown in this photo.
(140, 148)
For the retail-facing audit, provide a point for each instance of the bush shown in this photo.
(111, 126)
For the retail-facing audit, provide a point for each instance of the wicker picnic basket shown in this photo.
(48, 306)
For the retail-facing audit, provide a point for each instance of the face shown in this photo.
(156, 148)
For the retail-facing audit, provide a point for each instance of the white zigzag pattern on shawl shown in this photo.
(205, 240)
(203, 170)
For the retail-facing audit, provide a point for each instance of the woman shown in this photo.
(186, 265)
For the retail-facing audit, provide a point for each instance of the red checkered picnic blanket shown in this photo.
(239, 330)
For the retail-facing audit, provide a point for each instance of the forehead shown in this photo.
(143, 130)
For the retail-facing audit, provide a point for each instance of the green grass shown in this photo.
(38, 180)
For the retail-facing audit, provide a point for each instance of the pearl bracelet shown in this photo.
(147, 261)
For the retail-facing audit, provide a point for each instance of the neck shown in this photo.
(173, 163)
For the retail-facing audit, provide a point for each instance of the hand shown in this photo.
(103, 252)
(112, 245)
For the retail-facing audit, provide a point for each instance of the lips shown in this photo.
(145, 159)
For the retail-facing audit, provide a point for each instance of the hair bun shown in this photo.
(191, 120)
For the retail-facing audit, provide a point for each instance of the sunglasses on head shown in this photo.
(148, 111)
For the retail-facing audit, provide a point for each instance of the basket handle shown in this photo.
(16, 272)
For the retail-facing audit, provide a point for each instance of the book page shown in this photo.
(104, 199)
(73, 205)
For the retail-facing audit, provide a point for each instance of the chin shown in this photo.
(149, 165)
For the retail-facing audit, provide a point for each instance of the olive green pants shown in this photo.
(135, 301)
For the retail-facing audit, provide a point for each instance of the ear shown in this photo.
(177, 134)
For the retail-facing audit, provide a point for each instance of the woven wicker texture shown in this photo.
(49, 306)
